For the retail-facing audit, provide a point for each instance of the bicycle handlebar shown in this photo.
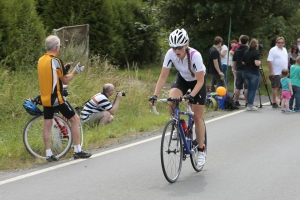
(37, 100)
(189, 109)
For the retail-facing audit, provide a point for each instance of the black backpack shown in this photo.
(230, 104)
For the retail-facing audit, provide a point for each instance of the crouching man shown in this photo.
(99, 110)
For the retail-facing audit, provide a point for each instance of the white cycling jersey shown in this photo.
(182, 66)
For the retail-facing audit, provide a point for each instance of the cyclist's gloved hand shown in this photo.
(79, 68)
(190, 98)
(153, 99)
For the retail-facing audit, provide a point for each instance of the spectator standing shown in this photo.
(295, 78)
(224, 61)
(287, 91)
(251, 60)
(232, 44)
(52, 75)
(214, 64)
(238, 68)
(293, 55)
(298, 45)
(277, 61)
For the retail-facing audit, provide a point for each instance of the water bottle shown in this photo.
(184, 126)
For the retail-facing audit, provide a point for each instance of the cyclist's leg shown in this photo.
(46, 132)
(178, 88)
(48, 121)
(67, 110)
(198, 109)
(199, 124)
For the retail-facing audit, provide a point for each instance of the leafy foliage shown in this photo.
(21, 33)
(205, 19)
(120, 30)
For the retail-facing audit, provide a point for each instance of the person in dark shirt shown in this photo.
(251, 72)
(214, 64)
(238, 68)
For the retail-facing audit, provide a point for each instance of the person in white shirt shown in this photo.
(298, 44)
(224, 61)
(277, 61)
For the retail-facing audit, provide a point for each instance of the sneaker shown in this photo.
(82, 154)
(251, 108)
(237, 103)
(275, 105)
(246, 104)
(283, 111)
(174, 136)
(296, 110)
(241, 97)
(52, 158)
(200, 158)
(289, 111)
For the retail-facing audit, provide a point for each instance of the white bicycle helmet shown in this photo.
(179, 37)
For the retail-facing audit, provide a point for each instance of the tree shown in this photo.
(116, 27)
(205, 19)
(21, 33)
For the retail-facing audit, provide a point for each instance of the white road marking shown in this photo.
(103, 153)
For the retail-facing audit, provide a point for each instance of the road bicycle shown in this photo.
(60, 134)
(173, 149)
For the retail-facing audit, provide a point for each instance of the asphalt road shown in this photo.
(251, 155)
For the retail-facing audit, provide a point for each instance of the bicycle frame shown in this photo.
(177, 113)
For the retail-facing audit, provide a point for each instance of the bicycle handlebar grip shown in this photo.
(154, 110)
(190, 110)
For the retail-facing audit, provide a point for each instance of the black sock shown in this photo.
(201, 149)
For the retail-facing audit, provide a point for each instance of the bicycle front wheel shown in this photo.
(171, 152)
(194, 154)
(60, 137)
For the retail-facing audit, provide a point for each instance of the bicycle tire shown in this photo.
(34, 142)
(171, 152)
(194, 154)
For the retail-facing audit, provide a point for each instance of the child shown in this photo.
(295, 78)
(287, 91)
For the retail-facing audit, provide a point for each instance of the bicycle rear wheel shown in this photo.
(195, 153)
(171, 152)
(60, 134)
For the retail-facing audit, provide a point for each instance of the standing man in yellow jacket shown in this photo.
(52, 75)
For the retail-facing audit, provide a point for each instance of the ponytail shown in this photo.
(187, 50)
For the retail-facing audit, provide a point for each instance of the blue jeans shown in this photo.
(224, 70)
(296, 95)
(251, 82)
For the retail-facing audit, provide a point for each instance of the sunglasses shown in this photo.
(280, 42)
(179, 48)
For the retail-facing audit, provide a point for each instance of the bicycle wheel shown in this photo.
(60, 134)
(171, 152)
(195, 153)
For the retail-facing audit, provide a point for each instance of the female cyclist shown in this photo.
(191, 75)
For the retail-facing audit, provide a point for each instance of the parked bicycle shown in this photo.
(179, 142)
(60, 134)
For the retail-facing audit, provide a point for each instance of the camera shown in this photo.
(123, 93)
(260, 47)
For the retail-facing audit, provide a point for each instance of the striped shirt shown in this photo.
(97, 103)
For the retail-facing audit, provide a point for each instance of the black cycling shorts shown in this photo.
(65, 109)
(184, 86)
